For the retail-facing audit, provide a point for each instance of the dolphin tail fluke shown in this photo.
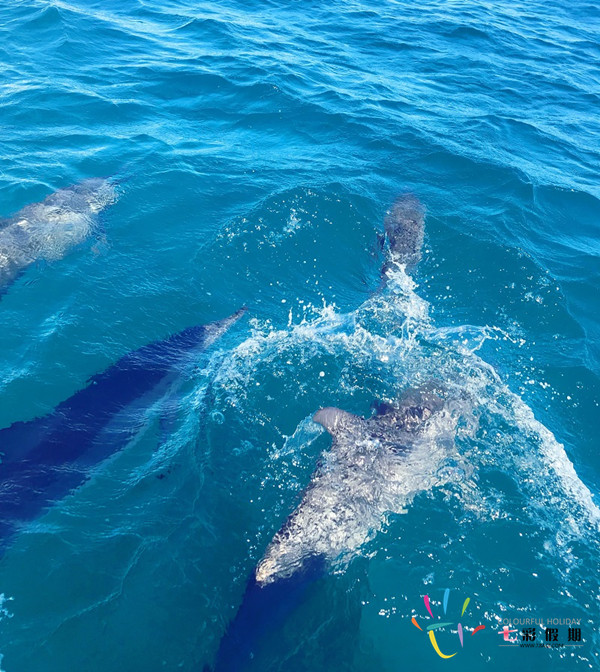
(263, 608)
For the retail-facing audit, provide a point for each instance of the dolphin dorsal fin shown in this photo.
(334, 419)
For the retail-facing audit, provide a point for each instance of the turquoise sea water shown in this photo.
(257, 147)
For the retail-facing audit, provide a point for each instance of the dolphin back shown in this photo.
(414, 407)
(404, 230)
(51, 228)
(43, 459)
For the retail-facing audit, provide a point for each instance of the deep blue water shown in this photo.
(257, 147)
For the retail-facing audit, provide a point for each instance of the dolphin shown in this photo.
(345, 498)
(404, 226)
(44, 459)
(371, 464)
(49, 229)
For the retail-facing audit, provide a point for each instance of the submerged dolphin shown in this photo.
(44, 459)
(372, 463)
(49, 229)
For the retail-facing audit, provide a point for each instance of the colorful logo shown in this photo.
(507, 632)
(445, 624)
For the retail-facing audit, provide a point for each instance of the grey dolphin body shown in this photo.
(373, 464)
(404, 231)
(49, 229)
(369, 468)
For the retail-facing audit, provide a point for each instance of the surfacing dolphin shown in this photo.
(373, 463)
(44, 459)
(367, 468)
(49, 229)
(404, 229)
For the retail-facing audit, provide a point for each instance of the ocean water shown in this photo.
(256, 148)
